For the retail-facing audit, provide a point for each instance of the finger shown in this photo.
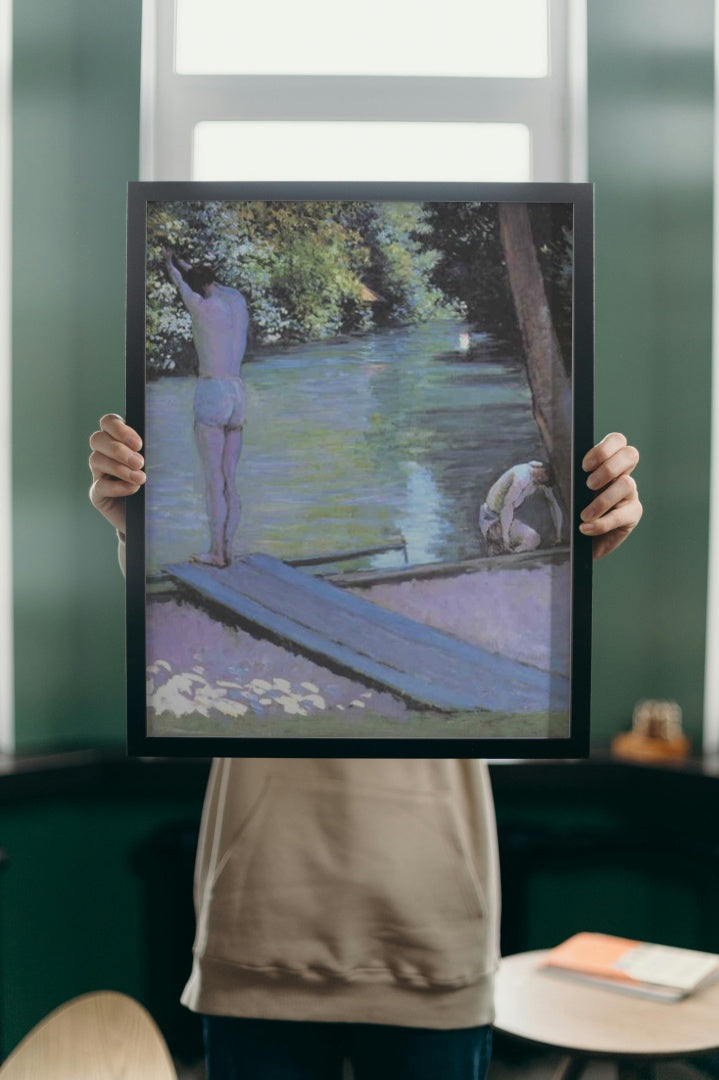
(623, 461)
(103, 443)
(116, 427)
(622, 490)
(625, 515)
(102, 465)
(115, 451)
(603, 450)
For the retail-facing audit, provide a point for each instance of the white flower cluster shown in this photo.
(183, 693)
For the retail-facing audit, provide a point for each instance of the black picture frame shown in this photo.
(341, 730)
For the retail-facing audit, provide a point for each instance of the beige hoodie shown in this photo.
(347, 890)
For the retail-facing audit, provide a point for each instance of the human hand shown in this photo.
(616, 509)
(116, 466)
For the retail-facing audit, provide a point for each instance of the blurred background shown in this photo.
(617, 92)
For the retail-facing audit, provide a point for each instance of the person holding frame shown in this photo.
(349, 909)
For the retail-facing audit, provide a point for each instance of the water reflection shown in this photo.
(349, 444)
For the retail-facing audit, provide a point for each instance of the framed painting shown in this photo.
(364, 408)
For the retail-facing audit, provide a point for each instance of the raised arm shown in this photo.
(190, 299)
(555, 510)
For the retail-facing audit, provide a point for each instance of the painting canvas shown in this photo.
(363, 408)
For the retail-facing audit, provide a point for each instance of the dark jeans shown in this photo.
(239, 1049)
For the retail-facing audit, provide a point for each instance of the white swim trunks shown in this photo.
(220, 402)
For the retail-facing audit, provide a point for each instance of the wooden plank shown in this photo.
(458, 663)
(358, 579)
(347, 556)
(381, 619)
(521, 560)
(317, 646)
(420, 664)
(368, 628)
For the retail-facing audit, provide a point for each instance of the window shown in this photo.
(488, 91)
(402, 38)
(302, 150)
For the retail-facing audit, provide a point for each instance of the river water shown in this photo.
(350, 444)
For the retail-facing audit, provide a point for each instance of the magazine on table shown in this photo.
(661, 972)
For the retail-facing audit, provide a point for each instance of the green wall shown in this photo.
(76, 89)
(75, 146)
(77, 899)
(650, 156)
(94, 938)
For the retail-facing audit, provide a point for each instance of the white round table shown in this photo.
(588, 1022)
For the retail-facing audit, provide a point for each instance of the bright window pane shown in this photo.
(278, 150)
(498, 38)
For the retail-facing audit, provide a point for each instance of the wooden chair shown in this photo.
(99, 1036)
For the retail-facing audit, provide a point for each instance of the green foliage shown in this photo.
(400, 265)
(314, 270)
(471, 271)
(309, 270)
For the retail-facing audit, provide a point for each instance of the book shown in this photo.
(660, 972)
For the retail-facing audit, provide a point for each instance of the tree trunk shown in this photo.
(548, 381)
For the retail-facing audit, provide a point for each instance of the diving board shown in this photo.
(424, 666)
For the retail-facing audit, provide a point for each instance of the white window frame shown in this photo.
(553, 108)
(7, 704)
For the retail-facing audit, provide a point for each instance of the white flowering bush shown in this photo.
(309, 270)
